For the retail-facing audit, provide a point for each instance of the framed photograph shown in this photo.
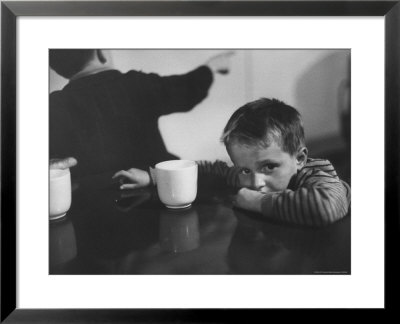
(121, 255)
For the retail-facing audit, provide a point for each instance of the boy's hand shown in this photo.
(132, 178)
(249, 200)
(220, 63)
(66, 163)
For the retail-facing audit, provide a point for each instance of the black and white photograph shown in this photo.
(196, 161)
(199, 161)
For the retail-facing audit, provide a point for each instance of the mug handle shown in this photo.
(153, 175)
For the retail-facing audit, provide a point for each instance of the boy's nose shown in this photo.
(257, 181)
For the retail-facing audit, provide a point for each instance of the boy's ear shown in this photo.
(100, 55)
(301, 157)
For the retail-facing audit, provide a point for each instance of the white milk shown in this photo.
(176, 182)
(60, 193)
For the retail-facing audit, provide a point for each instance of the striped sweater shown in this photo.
(315, 195)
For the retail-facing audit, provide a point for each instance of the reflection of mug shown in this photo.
(60, 192)
(62, 242)
(179, 230)
(177, 182)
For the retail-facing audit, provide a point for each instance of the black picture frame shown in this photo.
(10, 11)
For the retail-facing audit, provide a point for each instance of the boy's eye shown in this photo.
(245, 171)
(269, 167)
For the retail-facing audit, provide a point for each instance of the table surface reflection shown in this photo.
(108, 231)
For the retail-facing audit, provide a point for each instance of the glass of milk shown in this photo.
(60, 192)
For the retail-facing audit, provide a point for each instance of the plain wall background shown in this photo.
(309, 80)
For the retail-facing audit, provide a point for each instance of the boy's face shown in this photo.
(265, 169)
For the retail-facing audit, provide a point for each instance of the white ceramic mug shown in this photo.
(60, 192)
(176, 182)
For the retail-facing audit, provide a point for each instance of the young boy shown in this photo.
(265, 141)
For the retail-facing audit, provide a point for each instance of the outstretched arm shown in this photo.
(221, 170)
(137, 178)
(180, 93)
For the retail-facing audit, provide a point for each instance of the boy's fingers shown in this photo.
(121, 173)
(66, 163)
(116, 175)
(129, 186)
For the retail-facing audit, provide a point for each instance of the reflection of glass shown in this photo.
(62, 242)
(179, 230)
(60, 192)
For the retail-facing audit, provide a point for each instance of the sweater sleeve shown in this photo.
(321, 200)
(176, 93)
(220, 169)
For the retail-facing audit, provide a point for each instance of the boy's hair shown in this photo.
(265, 120)
(67, 62)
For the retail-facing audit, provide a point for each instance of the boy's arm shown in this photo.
(183, 92)
(220, 169)
(164, 95)
(137, 178)
(321, 200)
(180, 93)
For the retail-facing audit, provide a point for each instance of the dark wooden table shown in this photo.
(108, 231)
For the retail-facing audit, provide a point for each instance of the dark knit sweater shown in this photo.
(109, 121)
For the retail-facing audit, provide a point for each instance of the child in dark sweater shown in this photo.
(265, 141)
(108, 120)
